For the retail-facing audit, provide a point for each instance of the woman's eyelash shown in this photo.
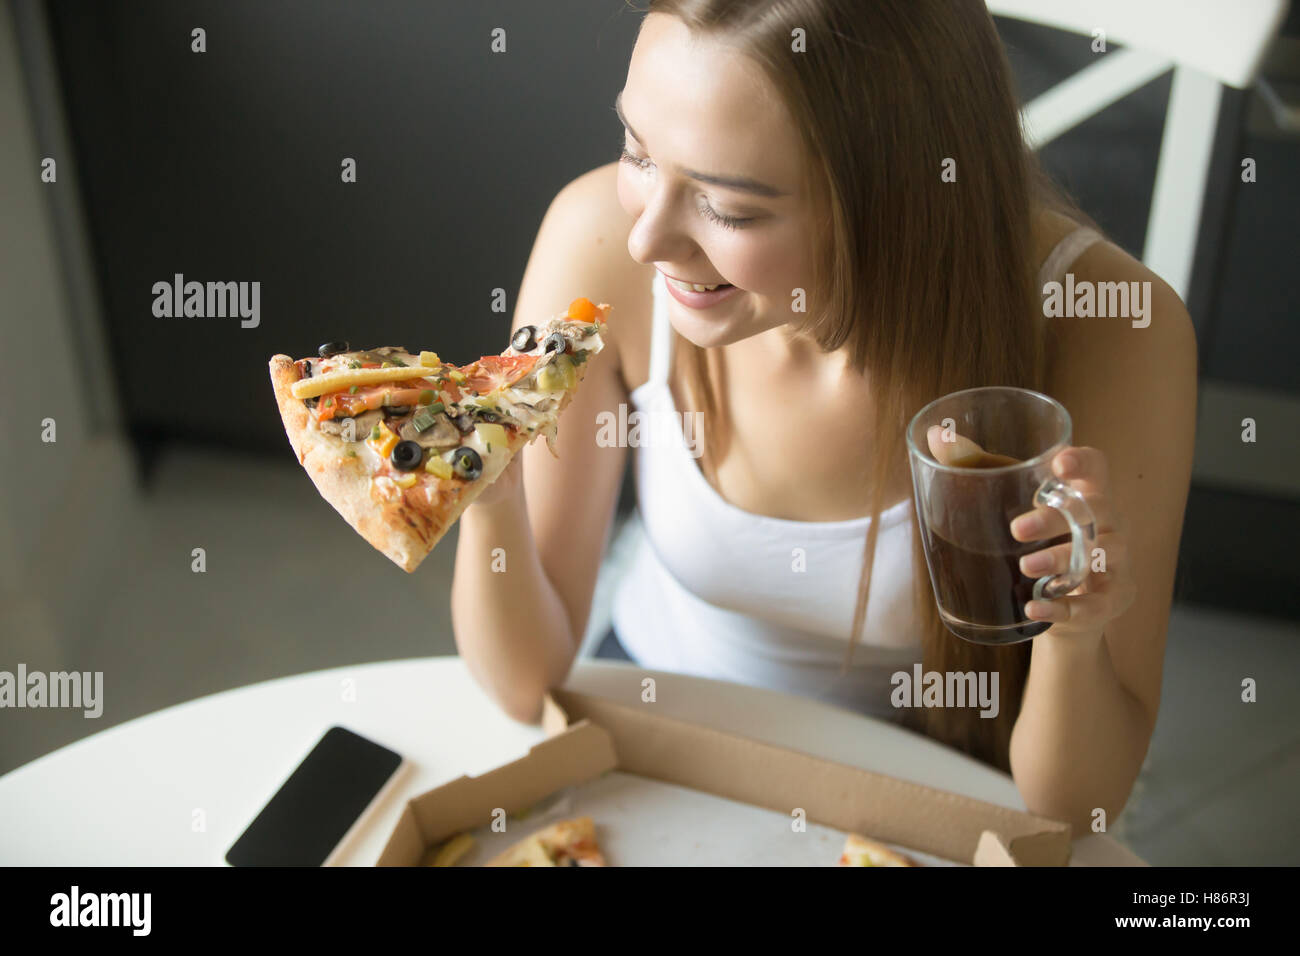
(626, 156)
(727, 222)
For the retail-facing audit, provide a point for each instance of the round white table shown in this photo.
(177, 787)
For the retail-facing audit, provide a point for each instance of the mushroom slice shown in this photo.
(362, 426)
(441, 434)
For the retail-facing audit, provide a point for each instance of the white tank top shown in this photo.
(715, 591)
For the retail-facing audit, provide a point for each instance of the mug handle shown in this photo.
(1069, 501)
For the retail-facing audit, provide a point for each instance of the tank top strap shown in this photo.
(661, 334)
(1064, 253)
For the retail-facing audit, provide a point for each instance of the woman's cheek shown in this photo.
(768, 269)
(628, 196)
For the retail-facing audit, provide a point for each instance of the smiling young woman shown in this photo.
(839, 219)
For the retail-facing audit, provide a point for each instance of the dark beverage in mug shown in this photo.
(976, 567)
(965, 506)
(984, 592)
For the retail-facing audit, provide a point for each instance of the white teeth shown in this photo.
(692, 286)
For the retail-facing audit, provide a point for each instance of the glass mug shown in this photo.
(965, 511)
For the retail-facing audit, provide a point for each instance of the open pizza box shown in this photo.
(666, 792)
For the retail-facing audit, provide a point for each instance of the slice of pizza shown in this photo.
(401, 443)
(859, 851)
(449, 851)
(567, 843)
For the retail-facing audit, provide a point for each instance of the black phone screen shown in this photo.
(318, 804)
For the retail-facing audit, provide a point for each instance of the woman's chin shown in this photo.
(705, 332)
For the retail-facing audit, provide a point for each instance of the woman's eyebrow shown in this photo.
(741, 183)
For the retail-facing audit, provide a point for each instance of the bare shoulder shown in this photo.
(1154, 331)
(1155, 327)
(587, 229)
(590, 202)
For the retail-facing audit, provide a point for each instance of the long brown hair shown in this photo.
(928, 284)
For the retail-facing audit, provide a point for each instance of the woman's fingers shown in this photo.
(1047, 522)
(1101, 598)
(1056, 560)
(508, 483)
(1083, 467)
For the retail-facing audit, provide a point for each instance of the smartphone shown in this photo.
(315, 810)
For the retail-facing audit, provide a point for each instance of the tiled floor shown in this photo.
(1222, 780)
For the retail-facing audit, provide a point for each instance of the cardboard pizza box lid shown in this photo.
(571, 756)
(945, 824)
(587, 735)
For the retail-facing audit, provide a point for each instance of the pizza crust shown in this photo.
(403, 524)
(404, 534)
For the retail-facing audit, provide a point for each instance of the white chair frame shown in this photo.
(1207, 43)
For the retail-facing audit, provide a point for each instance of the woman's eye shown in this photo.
(639, 162)
(726, 222)
(643, 163)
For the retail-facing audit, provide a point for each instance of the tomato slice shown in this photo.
(582, 310)
(347, 403)
(494, 371)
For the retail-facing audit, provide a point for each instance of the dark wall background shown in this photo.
(225, 166)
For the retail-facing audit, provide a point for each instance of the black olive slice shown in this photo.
(406, 455)
(332, 348)
(555, 342)
(397, 409)
(525, 340)
(466, 462)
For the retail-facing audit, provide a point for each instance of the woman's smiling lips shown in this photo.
(693, 299)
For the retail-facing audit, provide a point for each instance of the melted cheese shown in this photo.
(339, 362)
(494, 461)
(333, 374)
(361, 449)
(533, 396)
(386, 487)
(509, 402)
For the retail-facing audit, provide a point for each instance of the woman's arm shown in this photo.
(1090, 703)
(528, 552)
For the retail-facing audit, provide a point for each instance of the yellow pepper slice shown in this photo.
(438, 468)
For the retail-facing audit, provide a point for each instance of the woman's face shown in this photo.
(711, 174)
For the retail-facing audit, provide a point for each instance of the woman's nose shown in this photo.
(656, 236)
